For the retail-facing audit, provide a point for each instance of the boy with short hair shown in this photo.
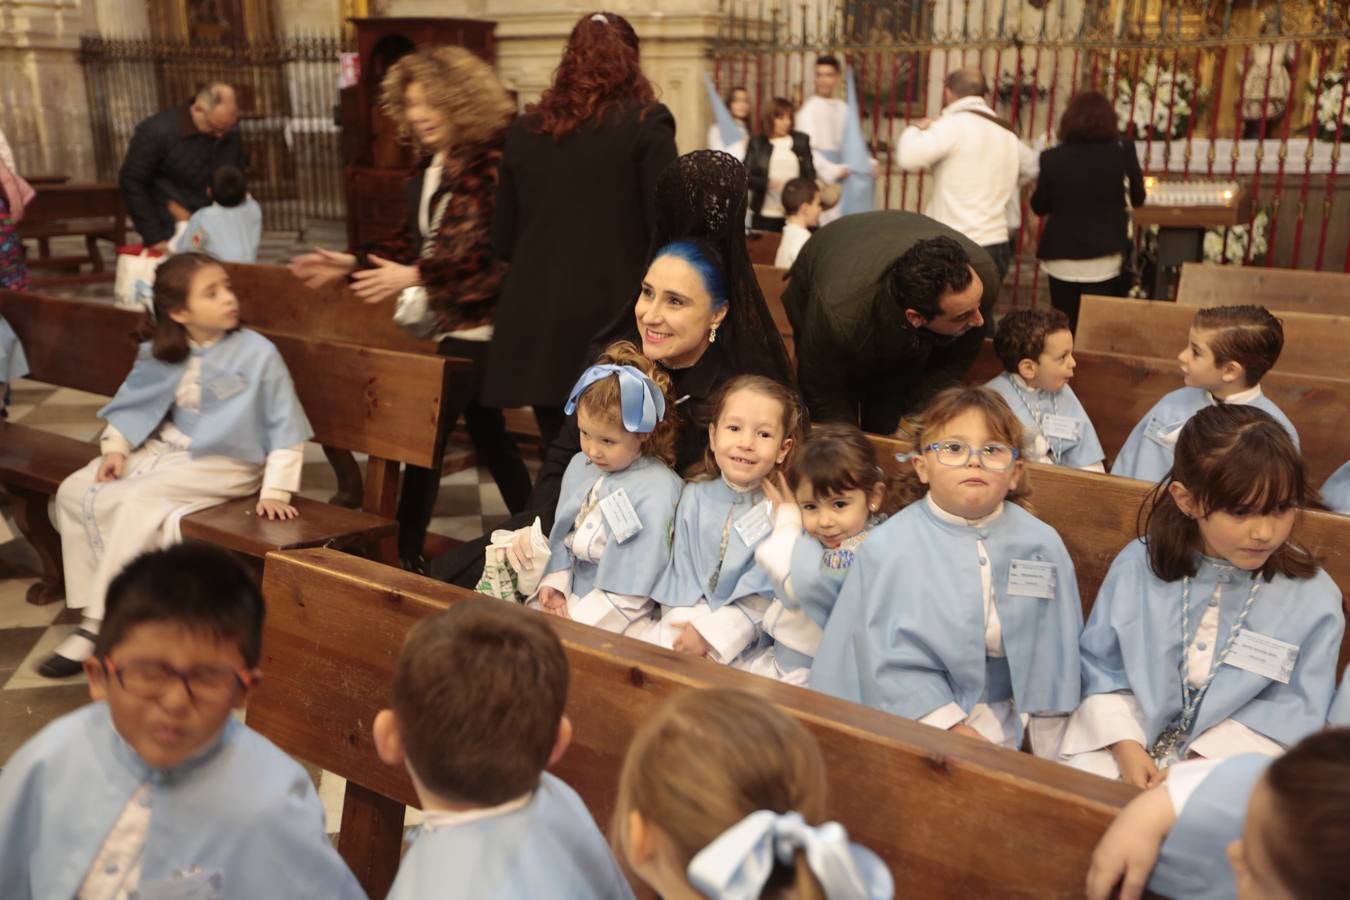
(801, 204)
(1230, 350)
(1036, 349)
(155, 790)
(478, 706)
(230, 229)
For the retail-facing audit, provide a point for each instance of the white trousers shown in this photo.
(106, 525)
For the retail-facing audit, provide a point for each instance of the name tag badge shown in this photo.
(1062, 428)
(1163, 433)
(755, 525)
(194, 885)
(619, 515)
(1262, 655)
(226, 386)
(1031, 578)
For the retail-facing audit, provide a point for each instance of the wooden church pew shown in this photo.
(1316, 345)
(1287, 290)
(952, 817)
(382, 403)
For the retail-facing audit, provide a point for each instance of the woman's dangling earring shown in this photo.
(712, 334)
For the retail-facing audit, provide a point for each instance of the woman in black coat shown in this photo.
(1082, 190)
(774, 158)
(574, 215)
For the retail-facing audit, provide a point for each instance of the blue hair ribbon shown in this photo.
(641, 401)
(738, 863)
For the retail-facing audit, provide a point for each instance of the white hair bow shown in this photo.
(738, 863)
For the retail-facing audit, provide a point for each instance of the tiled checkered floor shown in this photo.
(468, 505)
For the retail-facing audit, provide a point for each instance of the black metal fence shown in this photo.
(1221, 89)
(288, 93)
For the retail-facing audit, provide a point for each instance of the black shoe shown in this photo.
(58, 666)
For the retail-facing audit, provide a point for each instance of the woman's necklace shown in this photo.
(1171, 739)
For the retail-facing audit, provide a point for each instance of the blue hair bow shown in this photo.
(643, 404)
(738, 863)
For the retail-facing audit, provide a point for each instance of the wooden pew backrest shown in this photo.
(937, 808)
(1288, 290)
(1316, 345)
(272, 299)
(73, 343)
(1118, 390)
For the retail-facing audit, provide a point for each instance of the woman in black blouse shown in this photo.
(774, 158)
(1082, 191)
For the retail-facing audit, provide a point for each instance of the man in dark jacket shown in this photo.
(172, 157)
(887, 308)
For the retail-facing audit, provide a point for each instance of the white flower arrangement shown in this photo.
(1159, 105)
(1332, 115)
(1007, 86)
(1229, 245)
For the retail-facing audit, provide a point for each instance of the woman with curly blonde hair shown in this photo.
(449, 104)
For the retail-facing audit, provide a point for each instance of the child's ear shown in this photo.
(180, 315)
(783, 451)
(638, 840)
(920, 467)
(98, 678)
(1027, 368)
(1232, 371)
(388, 742)
(254, 676)
(1184, 499)
(561, 742)
(876, 496)
(1017, 470)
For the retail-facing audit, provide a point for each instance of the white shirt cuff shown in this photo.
(281, 474)
(944, 717)
(732, 628)
(1098, 466)
(112, 441)
(1102, 720)
(1229, 738)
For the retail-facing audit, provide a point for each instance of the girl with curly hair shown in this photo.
(574, 215)
(440, 267)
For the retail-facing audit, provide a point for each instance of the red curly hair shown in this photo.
(598, 74)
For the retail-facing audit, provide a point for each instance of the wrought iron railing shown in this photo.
(288, 92)
(1197, 85)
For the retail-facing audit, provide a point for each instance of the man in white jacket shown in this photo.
(977, 163)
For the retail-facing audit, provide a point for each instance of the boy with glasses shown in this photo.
(155, 790)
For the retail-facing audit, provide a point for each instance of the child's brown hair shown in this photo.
(173, 284)
(603, 401)
(1309, 827)
(1021, 335)
(1230, 458)
(946, 405)
(1247, 335)
(794, 413)
(836, 458)
(479, 693)
(764, 760)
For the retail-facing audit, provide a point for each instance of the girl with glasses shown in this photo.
(961, 611)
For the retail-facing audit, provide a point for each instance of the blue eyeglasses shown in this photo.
(993, 456)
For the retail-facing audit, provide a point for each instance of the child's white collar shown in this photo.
(954, 519)
(441, 819)
(1242, 398)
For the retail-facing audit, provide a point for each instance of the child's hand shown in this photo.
(691, 642)
(275, 509)
(110, 468)
(1128, 851)
(178, 211)
(1136, 766)
(963, 728)
(553, 601)
(777, 491)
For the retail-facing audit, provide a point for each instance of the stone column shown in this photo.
(44, 110)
